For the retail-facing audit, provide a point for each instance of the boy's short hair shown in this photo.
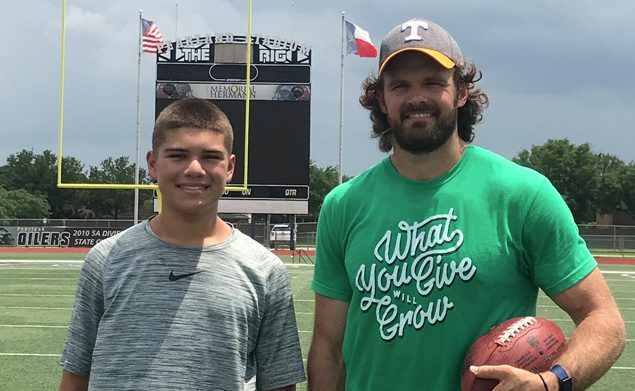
(192, 113)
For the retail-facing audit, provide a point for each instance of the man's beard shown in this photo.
(424, 138)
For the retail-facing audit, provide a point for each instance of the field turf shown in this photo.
(36, 297)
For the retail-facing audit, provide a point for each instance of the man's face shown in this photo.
(421, 102)
(191, 168)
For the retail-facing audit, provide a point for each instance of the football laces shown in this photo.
(515, 329)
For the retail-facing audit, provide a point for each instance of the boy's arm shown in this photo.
(325, 366)
(87, 311)
(73, 382)
(278, 353)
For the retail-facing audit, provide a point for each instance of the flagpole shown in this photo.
(342, 103)
(176, 21)
(136, 166)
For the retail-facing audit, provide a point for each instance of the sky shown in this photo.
(552, 69)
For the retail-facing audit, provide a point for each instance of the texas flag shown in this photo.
(358, 41)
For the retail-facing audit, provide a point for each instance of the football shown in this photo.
(529, 343)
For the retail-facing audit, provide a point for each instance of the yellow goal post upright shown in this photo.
(126, 186)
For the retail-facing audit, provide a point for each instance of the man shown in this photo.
(184, 301)
(424, 252)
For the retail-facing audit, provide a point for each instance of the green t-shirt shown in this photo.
(429, 266)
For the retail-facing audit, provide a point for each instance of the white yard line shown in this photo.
(37, 286)
(36, 308)
(31, 261)
(34, 295)
(73, 270)
(34, 326)
(569, 320)
(39, 278)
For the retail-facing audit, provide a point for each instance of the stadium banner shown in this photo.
(285, 92)
(8, 235)
(202, 49)
(54, 236)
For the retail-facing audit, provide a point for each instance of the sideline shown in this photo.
(615, 261)
(84, 250)
(602, 259)
(46, 250)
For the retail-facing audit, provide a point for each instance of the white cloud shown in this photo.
(85, 22)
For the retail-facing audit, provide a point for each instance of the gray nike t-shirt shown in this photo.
(149, 315)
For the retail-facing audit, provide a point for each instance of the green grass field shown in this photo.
(36, 300)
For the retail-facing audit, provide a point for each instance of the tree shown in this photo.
(627, 185)
(321, 182)
(69, 203)
(37, 175)
(610, 192)
(7, 207)
(20, 204)
(589, 182)
(112, 203)
(570, 169)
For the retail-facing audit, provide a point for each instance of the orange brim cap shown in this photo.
(439, 57)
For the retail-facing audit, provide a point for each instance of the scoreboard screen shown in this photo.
(213, 67)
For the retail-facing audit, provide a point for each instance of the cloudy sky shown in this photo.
(553, 69)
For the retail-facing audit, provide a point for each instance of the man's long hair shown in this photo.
(469, 115)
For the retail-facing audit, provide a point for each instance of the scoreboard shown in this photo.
(214, 67)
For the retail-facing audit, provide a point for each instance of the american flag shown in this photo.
(151, 36)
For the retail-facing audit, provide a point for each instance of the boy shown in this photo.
(184, 301)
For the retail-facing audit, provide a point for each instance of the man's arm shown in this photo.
(599, 337)
(326, 366)
(73, 382)
(595, 344)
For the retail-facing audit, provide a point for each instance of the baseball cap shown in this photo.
(423, 36)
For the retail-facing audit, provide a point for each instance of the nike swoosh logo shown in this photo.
(176, 277)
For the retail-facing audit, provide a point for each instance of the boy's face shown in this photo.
(191, 168)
